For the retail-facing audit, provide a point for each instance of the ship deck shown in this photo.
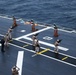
(21, 53)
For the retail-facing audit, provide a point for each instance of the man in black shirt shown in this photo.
(2, 44)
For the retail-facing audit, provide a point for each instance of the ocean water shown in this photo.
(60, 12)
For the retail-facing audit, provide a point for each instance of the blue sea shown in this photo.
(59, 12)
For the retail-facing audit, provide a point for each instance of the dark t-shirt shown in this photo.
(2, 41)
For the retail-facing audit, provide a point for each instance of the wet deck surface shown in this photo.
(46, 62)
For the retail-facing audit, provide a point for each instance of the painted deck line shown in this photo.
(48, 44)
(68, 55)
(43, 51)
(45, 48)
(6, 17)
(66, 31)
(20, 61)
(33, 33)
(59, 60)
(22, 21)
(61, 53)
(51, 50)
(1, 35)
(64, 58)
(45, 55)
(43, 25)
(25, 45)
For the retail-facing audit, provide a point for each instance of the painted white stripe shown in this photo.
(74, 31)
(1, 35)
(5, 17)
(20, 61)
(48, 44)
(61, 53)
(23, 31)
(22, 48)
(45, 48)
(65, 30)
(33, 33)
(46, 56)
(58, 60)
(42, 25)
(0, 44)
(51, 50)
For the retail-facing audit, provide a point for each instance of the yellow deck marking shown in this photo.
(41, 52)
(10, 40)
(25, 45)
(64, 58)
